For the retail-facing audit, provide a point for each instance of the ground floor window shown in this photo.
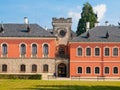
(80, 70)
(88, 70)
(45, 68)
(34, 68)
(22, 68)
(115, 70)
(4, 68)
(97, 70)
(106, 70)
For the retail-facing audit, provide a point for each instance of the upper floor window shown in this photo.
(107, 52)
(88, 70)
(45, 50)
(34, 68)
(80, 70)
(115, 51)
(45, 68)
(22, 68)
(97, 51)
(79, 51)
(115, 70)
(4, 68)
(34, 50)
(88, 51)
(23, 50)
(97, 70)
(4, 49)
(106, 70)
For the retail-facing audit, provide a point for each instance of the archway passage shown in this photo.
(62, 72)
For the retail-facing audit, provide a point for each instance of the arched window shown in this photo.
(4, 68)
(115, 51)
(4, 49)
(22, 68)
(115, 70)
(80, 70)
(34, 68)
(79, 51)
(107, 51)
(45, 50)
(34, 50)
(106, 70)
(23, 50)
(97, 51)
(97, 70)
(88, 70)
(45, 68)
(88, 51)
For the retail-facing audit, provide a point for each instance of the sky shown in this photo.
(42, 11)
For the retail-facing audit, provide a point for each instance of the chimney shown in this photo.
(26, 20)
(106, 23)
(2, 27)
(87, 26)
(96, 24)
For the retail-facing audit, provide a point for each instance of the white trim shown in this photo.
(104, 70)
(37, 49)
(113, 51)
(109, 51)
(20, 47)
(77, 70)
(48, 49)
(86, 70)
(113, 70)
(2, 50)
(99, 70)
(99, 52)
(86, 52)
(77, 51)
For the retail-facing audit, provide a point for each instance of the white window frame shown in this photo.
(109, 51)
(113, 51)
(109, 70)
(99, 53)
(77, 51)
(86, 52)
(99, 70)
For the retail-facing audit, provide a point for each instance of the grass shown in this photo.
(7, 84)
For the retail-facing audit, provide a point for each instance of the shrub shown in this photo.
(19, 76)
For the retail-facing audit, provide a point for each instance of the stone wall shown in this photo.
(13, 65)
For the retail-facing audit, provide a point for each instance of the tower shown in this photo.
(62, 30)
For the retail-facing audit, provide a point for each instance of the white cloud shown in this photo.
(100, 10)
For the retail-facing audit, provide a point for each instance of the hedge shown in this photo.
(19, 76)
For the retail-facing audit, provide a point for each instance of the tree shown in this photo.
(87, 15)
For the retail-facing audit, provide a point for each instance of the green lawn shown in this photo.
(58, 85)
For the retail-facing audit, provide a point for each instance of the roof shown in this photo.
(98, 34)
(19, 30)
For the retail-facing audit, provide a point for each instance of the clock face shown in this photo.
(62, 33)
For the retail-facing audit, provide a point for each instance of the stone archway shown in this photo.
(62, 70)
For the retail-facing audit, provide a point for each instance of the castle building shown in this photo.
(30, 49)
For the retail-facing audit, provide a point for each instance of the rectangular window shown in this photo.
(79, 52)
(115, 51)
(97, 52)
(88, 51)
(107, 51)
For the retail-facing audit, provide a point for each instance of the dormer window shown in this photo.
(1, 28)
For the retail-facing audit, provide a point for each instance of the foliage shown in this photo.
(14, 76)
(87, 15)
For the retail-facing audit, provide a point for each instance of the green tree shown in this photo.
(87, 15)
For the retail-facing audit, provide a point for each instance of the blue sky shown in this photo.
(42, 11)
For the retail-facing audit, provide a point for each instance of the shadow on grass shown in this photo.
(73, 87)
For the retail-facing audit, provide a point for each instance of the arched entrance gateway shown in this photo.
(62, 70)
